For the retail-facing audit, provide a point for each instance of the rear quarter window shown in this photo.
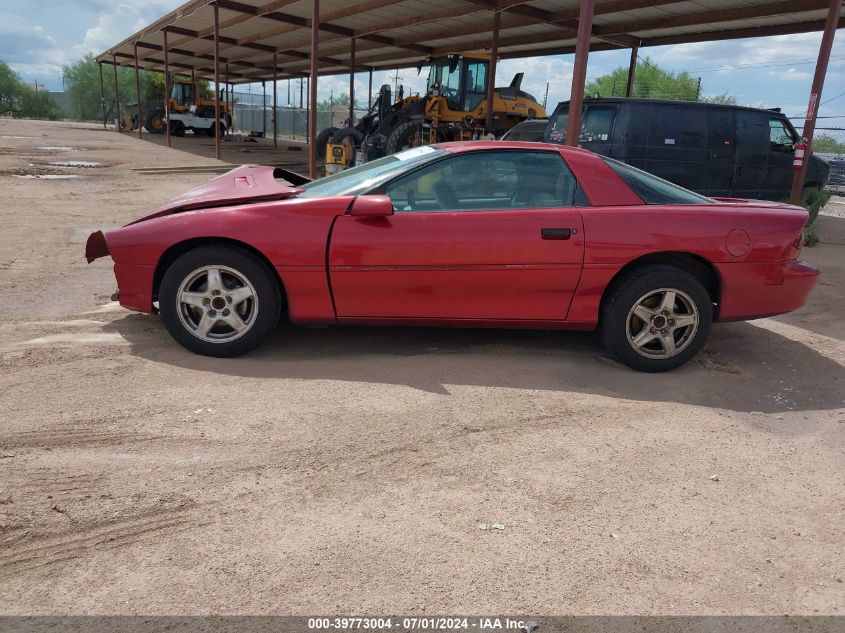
(654, 190)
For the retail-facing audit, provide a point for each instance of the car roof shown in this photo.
(469, 146)
(527, 122)
(674, 102)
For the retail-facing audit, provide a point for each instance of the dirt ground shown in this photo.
(342, 470)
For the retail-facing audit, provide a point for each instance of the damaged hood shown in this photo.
(248, 183)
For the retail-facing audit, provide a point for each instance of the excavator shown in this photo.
(454, 108)
(189, 110)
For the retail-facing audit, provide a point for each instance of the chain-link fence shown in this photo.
(829, 143)
(254, 113)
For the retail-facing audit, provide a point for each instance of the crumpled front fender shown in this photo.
(96, 246)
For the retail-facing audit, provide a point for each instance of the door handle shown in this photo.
(557, 234)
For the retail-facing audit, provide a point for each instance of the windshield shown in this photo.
(651, 189)
(360, 179)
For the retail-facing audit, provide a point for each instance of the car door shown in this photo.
(678, 144)
(722, 134)
(752, 153)
(489, 235)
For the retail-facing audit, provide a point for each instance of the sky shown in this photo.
(39, 37)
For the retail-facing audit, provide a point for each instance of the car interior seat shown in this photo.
(446, 197)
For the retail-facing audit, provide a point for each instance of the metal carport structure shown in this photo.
(245, 41)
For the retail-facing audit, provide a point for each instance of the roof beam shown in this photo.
(433, 16)
(160, 62)
(233, 5)
(240, 18)
(186, 53)
(514, 40)
(547, 17)
(709, 17)
(617, 6)
(753, 31)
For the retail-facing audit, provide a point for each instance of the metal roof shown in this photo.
(398, 33)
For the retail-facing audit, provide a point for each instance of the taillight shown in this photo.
(798, 243)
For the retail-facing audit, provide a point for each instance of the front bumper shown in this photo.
(135, 286)
(756, 290)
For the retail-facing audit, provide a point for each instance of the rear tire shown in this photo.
(212, 129)
(323, 139)
(154, 123)
(177, 128)
(655, 318)
(219, 301)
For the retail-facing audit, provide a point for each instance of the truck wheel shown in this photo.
(177, 128)
(212, 129)
(350, 137)
(322, 140)
(655, 318)
(219, 301)
(403, 136)
(154, 122)
(350, 133)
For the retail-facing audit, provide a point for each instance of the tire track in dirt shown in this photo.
(40, 551)
(72, 438)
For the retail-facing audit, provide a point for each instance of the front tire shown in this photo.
(403, 136)
(656, 318)
(219, 301)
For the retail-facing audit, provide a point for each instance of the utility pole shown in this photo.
(546, 96)
(396, 79)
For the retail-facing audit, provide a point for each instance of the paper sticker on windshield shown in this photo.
(414, 152)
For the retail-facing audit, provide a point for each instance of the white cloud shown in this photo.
(793, 74)
(29, 49)
(112, 28)
(34, 53)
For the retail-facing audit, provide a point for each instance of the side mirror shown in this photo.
(371, 207)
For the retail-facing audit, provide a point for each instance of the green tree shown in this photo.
(10, 85)
(650, 81)
(22, 100)
(36, 104)
(827, 144)
(82, 82)
(335, 102)
(722, 99)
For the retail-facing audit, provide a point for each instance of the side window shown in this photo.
(476, 85)
(651, 189)
(597, 124)
(557, 132)
(779, 135)
(484, 181)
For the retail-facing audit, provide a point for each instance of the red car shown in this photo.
(503, 234)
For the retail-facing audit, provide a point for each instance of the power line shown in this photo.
(770, 64)
(799, 116)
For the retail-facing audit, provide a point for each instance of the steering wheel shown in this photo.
(449, 92)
